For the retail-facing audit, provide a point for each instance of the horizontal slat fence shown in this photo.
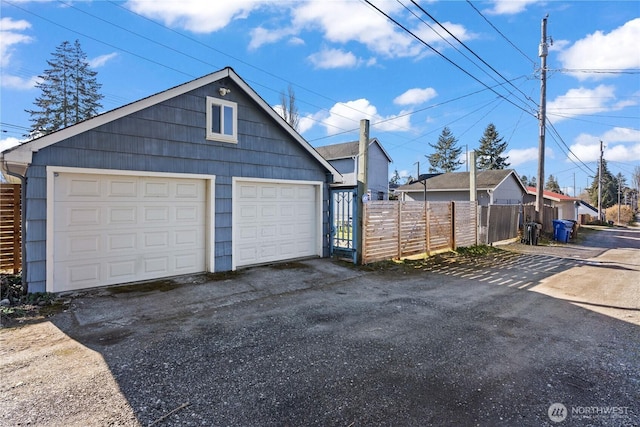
(398, 229)
(10, 221)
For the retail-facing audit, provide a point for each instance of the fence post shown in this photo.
(452, 212)
(488, 237)
(427, 226)
(17, 221)
(399, 228)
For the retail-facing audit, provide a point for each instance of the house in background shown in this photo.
(586, 212)
(203, 177)
(493, 187)
(567, 206)
(344, 157)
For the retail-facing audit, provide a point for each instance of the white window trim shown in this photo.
(213, 136)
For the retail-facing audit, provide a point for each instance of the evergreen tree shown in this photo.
(609, 188)
(69, 91)
(445, 158)
(492, 145)
(525, 181)
(552, 185)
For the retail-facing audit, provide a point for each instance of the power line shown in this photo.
(555, 131)
(472, 52)
(97, 40)
(632, 71)
(503, 36)
(443, 56)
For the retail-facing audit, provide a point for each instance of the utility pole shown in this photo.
(619, 175)
(600, 183)
(363, 185)
(542, 53)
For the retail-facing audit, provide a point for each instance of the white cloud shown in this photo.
(347, 115)
(10, 36)
(261, 36)
(415, 96)
(308, 121)
(618, 134)
(357, 22)
(296, 41)
(435, 36)
(582, 101)
(510, 7)
(333, 58)
(519, 156)
(196, 15)
(305, 122)
(14, 82)
(101, 60)
(621, 145)
(617, 50)
(7, 143)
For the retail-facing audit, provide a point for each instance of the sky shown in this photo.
(409, 67)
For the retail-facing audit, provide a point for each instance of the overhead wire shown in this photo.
(158, 43)
(569, 151)
(501, 34)
(412, 34)
(472, 52)
(322, 122)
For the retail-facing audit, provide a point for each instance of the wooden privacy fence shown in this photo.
(10, 221)
(550, 213)
(397, 229)
(498, 222)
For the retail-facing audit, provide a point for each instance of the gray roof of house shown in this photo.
(452, 181)
(346, 150)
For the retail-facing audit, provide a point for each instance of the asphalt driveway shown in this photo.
(449, 342)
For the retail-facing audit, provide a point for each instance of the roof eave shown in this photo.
(23, 154)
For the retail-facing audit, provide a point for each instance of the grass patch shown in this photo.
(478, 250)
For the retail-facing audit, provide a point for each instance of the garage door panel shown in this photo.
(135, 228)
(121, 270)
(268, 192)
(270, 218)
(155, 240)
(122, 242)
(120, 187)
(154, 189)
(122, 215)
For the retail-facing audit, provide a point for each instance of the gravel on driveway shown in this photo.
(449, 341)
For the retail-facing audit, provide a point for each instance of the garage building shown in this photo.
(203, 177)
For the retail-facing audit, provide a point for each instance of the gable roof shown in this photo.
(588, 206)
(347, 150)
(459, 181)
(556, 197)
(20, 156)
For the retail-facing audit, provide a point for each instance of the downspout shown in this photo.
(23, 215)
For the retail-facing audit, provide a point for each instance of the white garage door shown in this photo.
(275, 221)
(110, 229)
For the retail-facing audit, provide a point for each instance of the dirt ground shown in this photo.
(491, 340)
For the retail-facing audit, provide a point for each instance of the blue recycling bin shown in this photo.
(560, 231)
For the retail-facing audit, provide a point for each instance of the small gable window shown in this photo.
(222, 120)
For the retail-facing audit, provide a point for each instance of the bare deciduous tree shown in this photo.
(289, 107)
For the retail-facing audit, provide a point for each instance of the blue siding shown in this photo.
(170, 137)
(378, 172)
